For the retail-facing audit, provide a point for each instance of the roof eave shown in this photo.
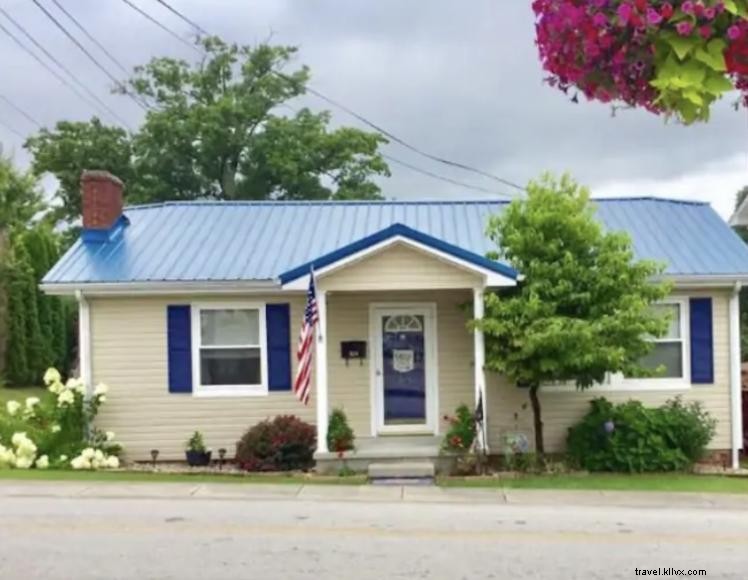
(160, 287)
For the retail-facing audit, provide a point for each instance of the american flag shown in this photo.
(301, 385)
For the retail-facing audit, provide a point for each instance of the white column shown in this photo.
(321, 372)
(480, 360)
(84, 342)
(736, 411)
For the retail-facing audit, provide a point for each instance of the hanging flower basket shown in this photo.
(674, 58)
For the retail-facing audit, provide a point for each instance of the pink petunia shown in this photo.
(684, 28)
(706, 31)
(600, 20)
(624, 13)
(687, 7)
(734, 32)
(653, 17)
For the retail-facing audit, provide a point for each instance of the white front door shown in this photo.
(404, 370)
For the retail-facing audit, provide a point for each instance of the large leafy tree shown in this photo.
(582, 309)
(20, 198)
(220, 129)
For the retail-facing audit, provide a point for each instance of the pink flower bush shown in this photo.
(669, 57)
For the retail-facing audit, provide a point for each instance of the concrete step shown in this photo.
(401, 470)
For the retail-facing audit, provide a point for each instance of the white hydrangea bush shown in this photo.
(57, 430)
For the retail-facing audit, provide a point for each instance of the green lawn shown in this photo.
(620, 482)
(645, 482)
(144, 476)
(19, 393)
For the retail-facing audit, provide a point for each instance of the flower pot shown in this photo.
(198, 458)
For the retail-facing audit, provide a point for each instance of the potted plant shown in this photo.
(340, 438)
(197, 454)
(459, 440)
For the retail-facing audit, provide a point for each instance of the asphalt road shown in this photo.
(121, 537)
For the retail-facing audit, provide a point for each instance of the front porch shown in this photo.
(394, 350)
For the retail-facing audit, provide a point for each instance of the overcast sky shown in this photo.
(459, 79)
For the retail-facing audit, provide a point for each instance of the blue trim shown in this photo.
(101, 236)
(179, 346)
(702, 341)
(392, 231)
(278, 328)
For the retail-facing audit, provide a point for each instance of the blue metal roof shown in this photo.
(243, 241)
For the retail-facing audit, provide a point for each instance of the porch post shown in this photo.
(480, 361)
(321, 372)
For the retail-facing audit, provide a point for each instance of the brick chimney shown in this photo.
(102, 200)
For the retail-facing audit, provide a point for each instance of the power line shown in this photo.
(443, 177)
(166, 29)
(12, 130)
(96, 103)
(19, 110)
(379, 129)
(192, 23)
(85, 51)
(91, 37)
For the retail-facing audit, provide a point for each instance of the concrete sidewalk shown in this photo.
(368, 493)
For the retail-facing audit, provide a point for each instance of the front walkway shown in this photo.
(372, 493)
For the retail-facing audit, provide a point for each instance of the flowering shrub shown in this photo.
(462, 430)
(673, 57)
(283, 444)
(55, 428)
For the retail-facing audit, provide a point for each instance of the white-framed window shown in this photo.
(229, 351)
(671, 351)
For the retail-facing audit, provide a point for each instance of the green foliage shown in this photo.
(216, 132)
(631, 437)
(340, 436)
(196, 443)
(37, 335)
(462, 430)
(284, 443)
(582, 309)
(20, 197)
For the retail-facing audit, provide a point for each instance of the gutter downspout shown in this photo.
(84, 342)
(736, 412)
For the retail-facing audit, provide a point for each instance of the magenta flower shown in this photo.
(653, 17)
(706, 31)
(687, 7)
(710, 13)
(734, 32)
(684, 28)
(600, 20)
(624, 13)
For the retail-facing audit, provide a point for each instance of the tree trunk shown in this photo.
(537, 419)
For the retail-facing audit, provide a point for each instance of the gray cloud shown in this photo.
(460, 79)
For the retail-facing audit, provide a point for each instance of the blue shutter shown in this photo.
(702, 344)
(278, 325)
(179, 336)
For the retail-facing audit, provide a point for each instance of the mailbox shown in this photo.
(353, 349)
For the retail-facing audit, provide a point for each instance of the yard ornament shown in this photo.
(674, 58)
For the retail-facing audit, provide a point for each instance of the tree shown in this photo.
(74, 146)
(215, 130)
(20, 198)
(582, 309)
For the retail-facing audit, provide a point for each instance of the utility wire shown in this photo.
(443, 177)
(166, 29)
(379, 129)
(96, 103)
(92, 58)
(12, 130)
(91, 37)
(19, 110)
(192, 23)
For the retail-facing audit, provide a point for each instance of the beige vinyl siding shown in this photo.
(509, 409)
(130, 355)
(348, 319)
(399, 267)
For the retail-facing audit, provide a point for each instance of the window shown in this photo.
(668, 350)
(230, 350)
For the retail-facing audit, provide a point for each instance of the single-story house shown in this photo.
(190, 312)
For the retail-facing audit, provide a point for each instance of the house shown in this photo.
(190, 312)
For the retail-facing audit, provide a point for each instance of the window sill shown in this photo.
(231, 391)
(626, 387)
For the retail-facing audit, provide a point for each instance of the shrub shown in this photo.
(282, 444)
(339, 433)
(462, 430)
(56, 429)
(631, 437)
(196, 443)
